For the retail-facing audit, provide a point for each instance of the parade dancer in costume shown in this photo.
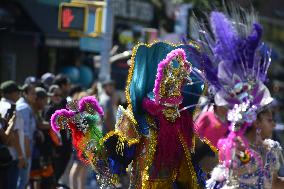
(154, 133)
(237, 68)
(210, 126)
(154, 123)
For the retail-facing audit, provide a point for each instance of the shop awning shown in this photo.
(45, 16)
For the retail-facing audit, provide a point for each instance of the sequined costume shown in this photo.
(254, 174)
(153, 136)
(82, 118)
(153, 124)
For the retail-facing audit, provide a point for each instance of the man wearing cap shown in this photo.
(55, 102)
(24, 107)
(40, 103)
(10, 94)
(64, 83)
(47, 79)
(42, 170)
(65, 150)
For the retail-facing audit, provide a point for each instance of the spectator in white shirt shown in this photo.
(10, 94)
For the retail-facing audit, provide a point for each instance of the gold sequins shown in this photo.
(173, 78)
(213, 148)
(194, 184)
(132, 65)
(120, 135)
(149, 158)
(126, 124)
(171, 113)
(194, 44)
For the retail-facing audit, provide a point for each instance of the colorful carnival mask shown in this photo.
(172, 73)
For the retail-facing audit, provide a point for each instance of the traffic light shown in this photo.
(82, 18)
(73, 17)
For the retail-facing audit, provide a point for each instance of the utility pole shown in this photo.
(105, 68)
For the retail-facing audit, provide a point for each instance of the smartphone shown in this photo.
(10, 112)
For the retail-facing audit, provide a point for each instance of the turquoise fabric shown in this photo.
(145, 69)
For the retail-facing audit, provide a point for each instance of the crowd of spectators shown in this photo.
(32, 155)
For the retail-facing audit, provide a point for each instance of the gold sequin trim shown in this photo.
(213, 148)
(149, 158)
(194, 184)
(151, 121)
(132, 64)
(193, 144)
(121, 136)
(196, 111)
(206, 141)
(130, 117)
(194, 44)
(159, 183)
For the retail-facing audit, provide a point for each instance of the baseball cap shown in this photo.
(51, 89)
(9, 87)
(31, 80)
(47, 79)
(41, 92)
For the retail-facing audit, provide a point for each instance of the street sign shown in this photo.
(73, 17)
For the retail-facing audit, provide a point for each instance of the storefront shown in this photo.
(20, 38)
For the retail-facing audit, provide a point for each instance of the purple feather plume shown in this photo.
(252, 43)
(225, 36)
(211, 71)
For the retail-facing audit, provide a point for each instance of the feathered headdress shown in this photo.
(235, 66)
(235, 69)
(83, 118)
